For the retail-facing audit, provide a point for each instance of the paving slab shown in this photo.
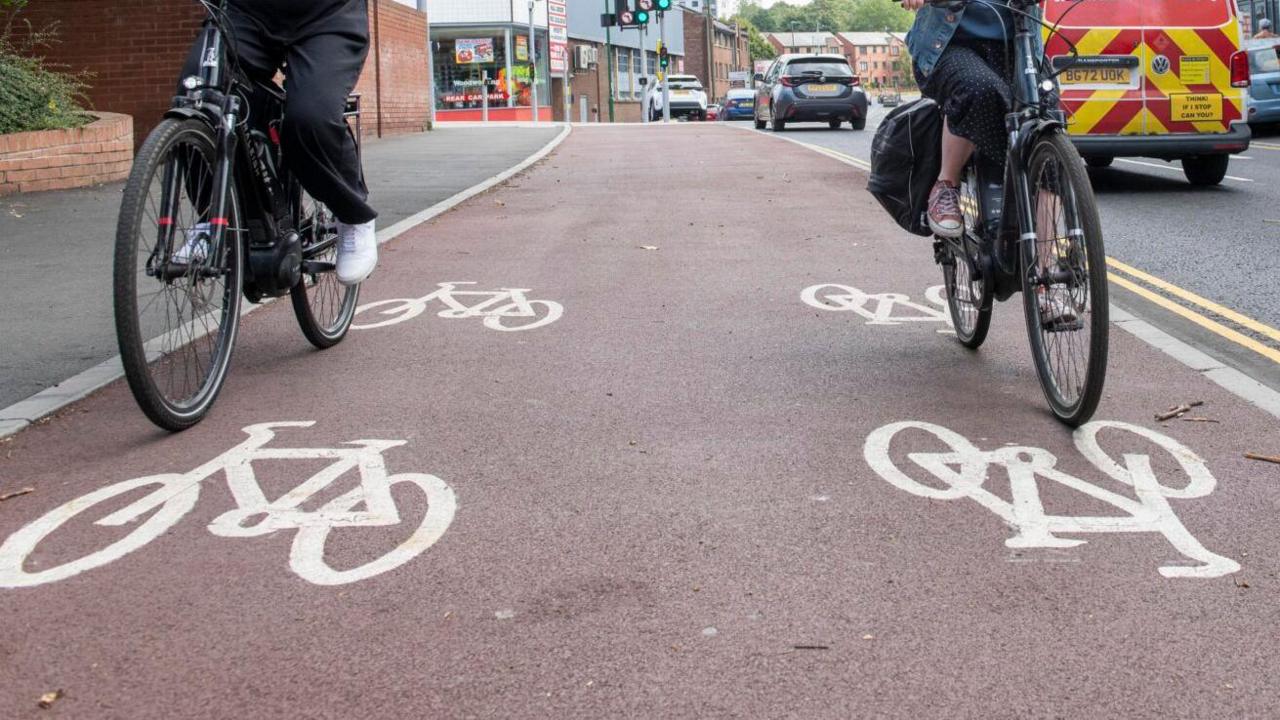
(687, 488)
(56, 247)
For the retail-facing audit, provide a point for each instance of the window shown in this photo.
(895, 51)
(862, 66)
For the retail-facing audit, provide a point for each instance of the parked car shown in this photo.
(688, 99)
(890, 99)
(713, 112)
(810, 88)
(1157, 79)
(1264, 83)
(739, 104)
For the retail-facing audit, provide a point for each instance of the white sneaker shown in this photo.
(1057, 311)
(196, 247)
(357, 252)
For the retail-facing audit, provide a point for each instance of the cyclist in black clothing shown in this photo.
(324, 44)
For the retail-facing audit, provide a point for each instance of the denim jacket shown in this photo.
(932, 33)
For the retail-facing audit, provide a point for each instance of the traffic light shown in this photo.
(643, 10)
(662, 5)
(664, 58)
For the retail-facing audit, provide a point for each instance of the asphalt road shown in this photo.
(56, 247)
(685, 491)
(1221, 243)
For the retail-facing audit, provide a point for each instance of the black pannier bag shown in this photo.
(906, 158)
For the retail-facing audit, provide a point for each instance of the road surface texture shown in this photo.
(683, 492)
(56, 247)
(1217, 242)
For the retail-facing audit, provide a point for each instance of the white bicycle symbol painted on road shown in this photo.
(508, 309)
(880, 308)
(174, 495)
(963, 469)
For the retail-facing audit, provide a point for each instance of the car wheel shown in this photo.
(779, 125)
(1206, 170)
(859, 123)
(1099, 162)
(833, 124)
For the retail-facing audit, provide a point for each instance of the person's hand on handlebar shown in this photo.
(914, 4)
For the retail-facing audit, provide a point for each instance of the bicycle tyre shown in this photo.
(971, 320)
(1075, 409)
(324, 322)
(132, 337)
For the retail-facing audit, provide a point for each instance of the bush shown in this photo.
(34, 96)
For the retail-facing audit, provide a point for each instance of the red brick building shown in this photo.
(712, 51)
(880, 59)
(134, 49)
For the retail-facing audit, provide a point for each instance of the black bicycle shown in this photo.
(1050, 247)
(211, 215)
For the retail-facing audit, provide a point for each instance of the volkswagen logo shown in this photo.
(1160, 65)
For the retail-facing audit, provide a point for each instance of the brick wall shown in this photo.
(398, 35)
(58, 159)
(714, 75)
(594, 83)
(135, 49)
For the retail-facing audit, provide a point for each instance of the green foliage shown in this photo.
(828, 16)
(33, 96)
(757, 46)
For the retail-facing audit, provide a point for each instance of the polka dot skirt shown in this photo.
(970, 84)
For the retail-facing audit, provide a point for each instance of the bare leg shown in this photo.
(956, 152)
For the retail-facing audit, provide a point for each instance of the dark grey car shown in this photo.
(810, 88)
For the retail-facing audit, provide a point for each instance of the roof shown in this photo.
(866, 38)
(803, 39)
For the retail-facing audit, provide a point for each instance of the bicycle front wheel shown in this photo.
(324, 307)
(1064, 282)
(177, 298)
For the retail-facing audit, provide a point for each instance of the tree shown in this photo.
(827, 15)
(757, 46)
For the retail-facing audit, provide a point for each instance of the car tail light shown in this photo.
(855, 81)
(789, 81)
(1240, 69)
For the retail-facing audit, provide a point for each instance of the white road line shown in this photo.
(19, 415)
(1173, 168)
(1230, 379)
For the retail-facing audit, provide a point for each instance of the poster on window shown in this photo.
(522, 48)
(466, 52)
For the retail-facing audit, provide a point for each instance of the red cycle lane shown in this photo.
(600, 450)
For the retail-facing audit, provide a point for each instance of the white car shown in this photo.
(688, 99)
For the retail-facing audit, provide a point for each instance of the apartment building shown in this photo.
(880, 59)
(716, 52)
(806, 43)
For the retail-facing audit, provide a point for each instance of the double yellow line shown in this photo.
(1146, 286)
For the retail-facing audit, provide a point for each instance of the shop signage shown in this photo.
(558, 35)
(469, 51)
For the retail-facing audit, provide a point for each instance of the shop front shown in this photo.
(490, 65)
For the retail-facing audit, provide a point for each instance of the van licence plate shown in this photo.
(1117, 76)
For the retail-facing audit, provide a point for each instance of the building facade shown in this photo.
(717, 53)
(880, 59)
(611, 71)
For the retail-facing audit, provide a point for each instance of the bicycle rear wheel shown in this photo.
(324, 307)
(969, 290)
(1064, 283)
(176, 320)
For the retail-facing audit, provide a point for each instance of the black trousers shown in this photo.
(323, 43)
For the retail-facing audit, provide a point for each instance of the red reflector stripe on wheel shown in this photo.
(219, 221)
(165, 221)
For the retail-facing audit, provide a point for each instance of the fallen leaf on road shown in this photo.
(1263, 458)
(648, 247)
(1240, 583)
(48, 699)
(499, 203)
(504, 614)
(16, 493)
(868, 636)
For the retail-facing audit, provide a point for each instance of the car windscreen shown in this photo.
(827, 68)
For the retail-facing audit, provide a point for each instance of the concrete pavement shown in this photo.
(56, 247)
(708, 480)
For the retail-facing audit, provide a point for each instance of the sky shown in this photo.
(729, 7)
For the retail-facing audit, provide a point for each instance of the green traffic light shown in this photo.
(662, 5)
(642, 17)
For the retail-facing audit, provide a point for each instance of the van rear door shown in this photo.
(1188, 69)
(1103, 90)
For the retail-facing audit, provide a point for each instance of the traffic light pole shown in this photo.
(666, 74)
(533, 64)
